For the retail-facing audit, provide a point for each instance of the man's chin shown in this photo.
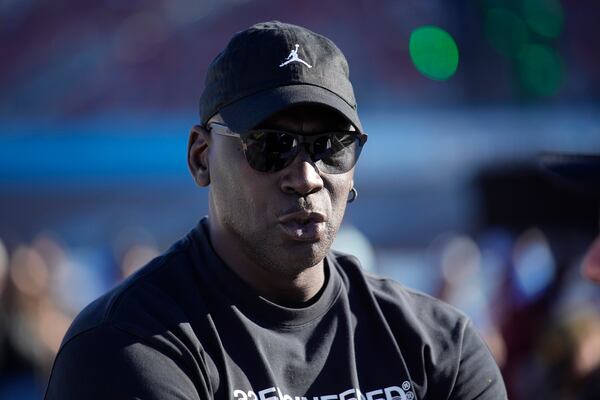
(302, 256)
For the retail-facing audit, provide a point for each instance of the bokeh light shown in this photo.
(544, 17)
(540, 69)
(506, 32)
(460, 259)
(534, 264)
(433, 52)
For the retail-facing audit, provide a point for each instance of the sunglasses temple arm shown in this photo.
(222, 130)
(231, 134)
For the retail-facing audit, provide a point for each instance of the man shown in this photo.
(252, 304)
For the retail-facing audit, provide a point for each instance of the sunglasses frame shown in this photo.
(306, 140)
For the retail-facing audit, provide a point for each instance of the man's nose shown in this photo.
(301, 177)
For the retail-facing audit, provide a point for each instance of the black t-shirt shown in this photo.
(186, 327)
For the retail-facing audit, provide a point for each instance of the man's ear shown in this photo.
(197, 155)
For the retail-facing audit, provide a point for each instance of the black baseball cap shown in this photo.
(271, 66)
(576, 171)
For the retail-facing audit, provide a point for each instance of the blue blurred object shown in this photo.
(23, 386)
(534, 265)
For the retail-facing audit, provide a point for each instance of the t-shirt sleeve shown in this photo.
(107, 363)
(478, 375)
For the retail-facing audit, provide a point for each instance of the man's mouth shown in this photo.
(303, 226)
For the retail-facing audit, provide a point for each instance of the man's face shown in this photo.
(284, 221)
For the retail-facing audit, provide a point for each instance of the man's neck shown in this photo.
(291, 291)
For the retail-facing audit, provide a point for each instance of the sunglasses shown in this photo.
(271, 150)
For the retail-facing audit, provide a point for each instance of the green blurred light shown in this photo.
(540, 69)
(434, 52)
(505, 31)
(545, 17)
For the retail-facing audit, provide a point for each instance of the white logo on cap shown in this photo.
(293, 56)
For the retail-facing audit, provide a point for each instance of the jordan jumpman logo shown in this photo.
(293, 56)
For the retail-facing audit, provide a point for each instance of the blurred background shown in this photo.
(458, 97)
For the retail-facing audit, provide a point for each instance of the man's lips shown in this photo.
(302, 216)
(303, 226)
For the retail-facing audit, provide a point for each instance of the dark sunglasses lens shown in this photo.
(270, 151)
(337, 153)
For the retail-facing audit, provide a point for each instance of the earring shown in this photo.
(353, 195)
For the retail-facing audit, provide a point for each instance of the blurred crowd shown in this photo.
(523, 290)
(151, 56)
(43, 285)
(538, 314)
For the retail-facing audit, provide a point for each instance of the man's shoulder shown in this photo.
(144, 301)
(435, 337)
(139, 335)
(420, 305)
(418, 309)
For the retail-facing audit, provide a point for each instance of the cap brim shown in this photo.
(248, 112)
(580, 172)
